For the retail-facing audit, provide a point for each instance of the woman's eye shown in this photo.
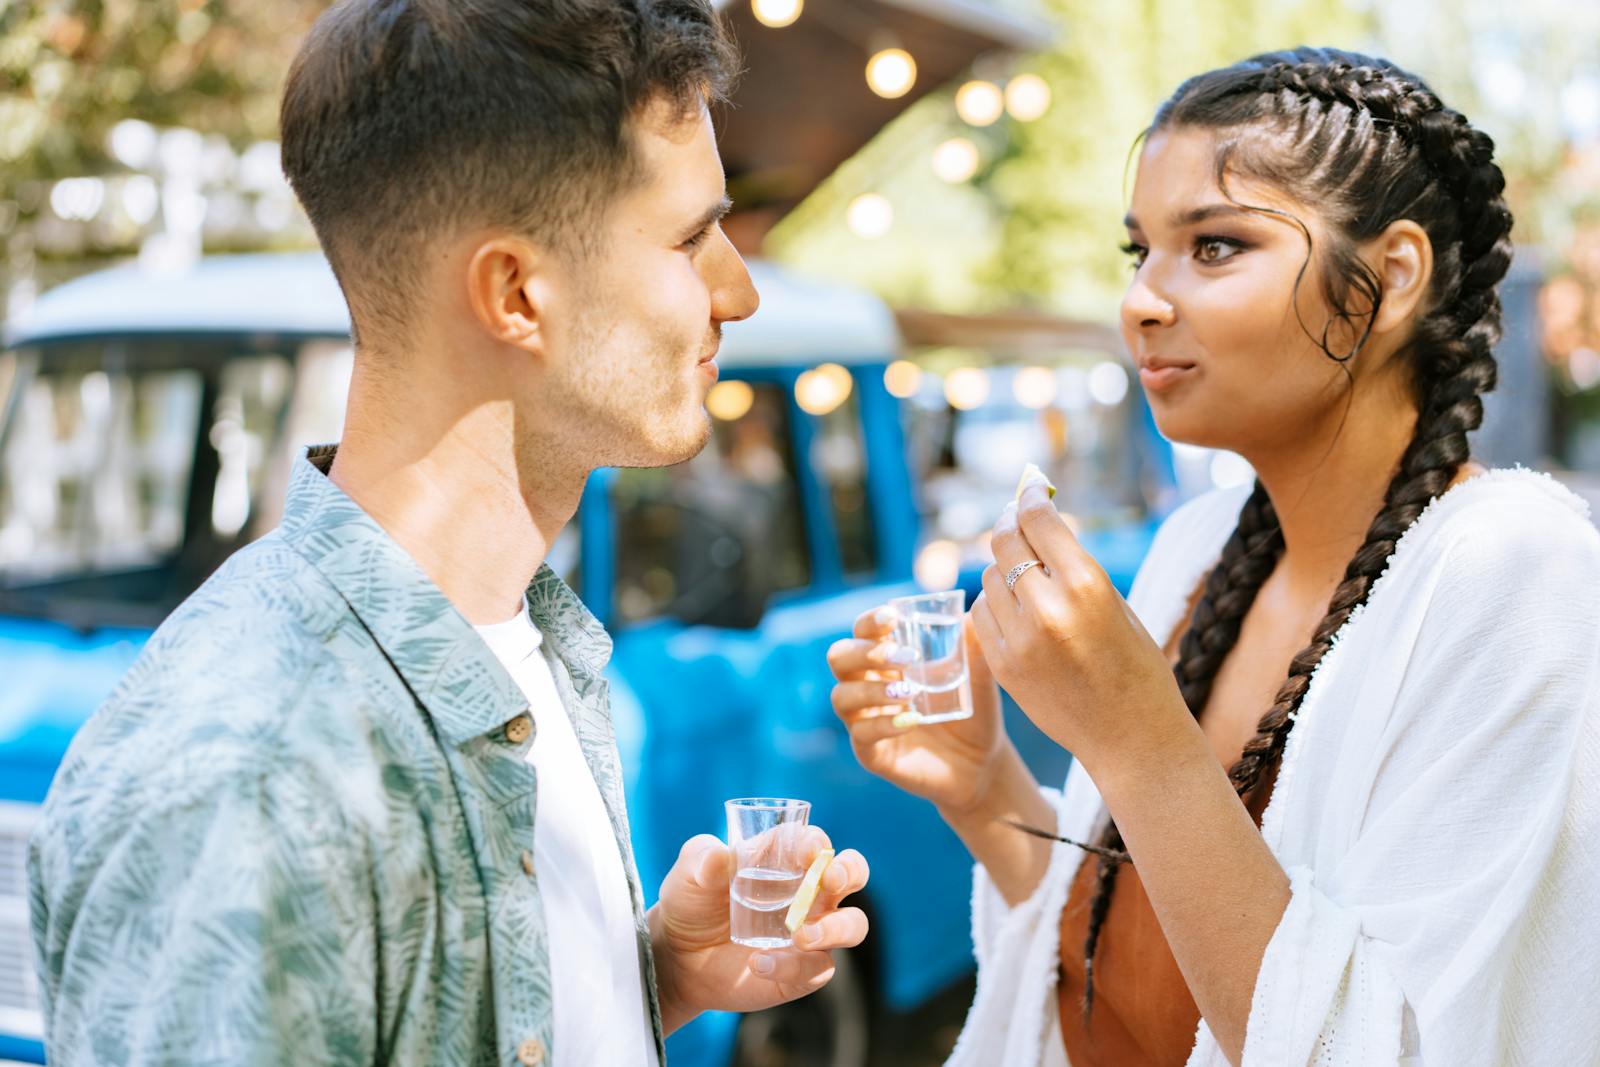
(1215, 249)
(1136, 253)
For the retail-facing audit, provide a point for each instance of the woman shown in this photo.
(1399, 862)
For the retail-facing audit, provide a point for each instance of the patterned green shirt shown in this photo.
(301, 829)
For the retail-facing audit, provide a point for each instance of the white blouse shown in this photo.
(1437, 809)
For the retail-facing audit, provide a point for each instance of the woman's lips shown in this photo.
(1158, 376)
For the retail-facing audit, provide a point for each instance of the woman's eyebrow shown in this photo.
(1193, 216)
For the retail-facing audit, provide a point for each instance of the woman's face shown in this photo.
(1209, 317)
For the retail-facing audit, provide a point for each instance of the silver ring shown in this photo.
(1019, 570)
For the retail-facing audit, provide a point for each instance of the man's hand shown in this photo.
(699, 969)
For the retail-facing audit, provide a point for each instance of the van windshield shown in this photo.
(130, 468)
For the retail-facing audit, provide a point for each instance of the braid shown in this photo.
(1364, 124)
(1247, 560)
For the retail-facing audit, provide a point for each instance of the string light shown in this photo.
(1027, 97)
(891, 72)
(730, 400)
(902, 378)
(966, 388)
(777, 13)
(870, 216)
(980, 103)
(823, 388)
(1034, 387)
(956, 160)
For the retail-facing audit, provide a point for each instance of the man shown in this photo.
(359, 801)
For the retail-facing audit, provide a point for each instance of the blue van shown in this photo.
(147, 425)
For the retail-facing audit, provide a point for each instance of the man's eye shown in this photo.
(700, 238)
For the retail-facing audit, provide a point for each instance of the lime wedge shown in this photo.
(906, 718)
(1029, 473)
(807, 893)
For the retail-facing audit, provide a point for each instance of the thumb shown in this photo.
(704, 868)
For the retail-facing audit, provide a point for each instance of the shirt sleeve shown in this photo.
(233, 924)
(1461, 925)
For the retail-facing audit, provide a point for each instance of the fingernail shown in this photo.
(900, 654)
(763, 965)
(898, 690)
(885, 616)
(907, 718)
(1011, 505)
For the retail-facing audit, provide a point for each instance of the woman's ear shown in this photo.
(1402, 258)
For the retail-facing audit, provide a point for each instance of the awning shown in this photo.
(803, 105)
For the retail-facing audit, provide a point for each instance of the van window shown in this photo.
(706, 540)
(95, 469)
(839, 458)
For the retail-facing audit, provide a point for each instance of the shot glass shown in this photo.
(932, 627)
(768, 838)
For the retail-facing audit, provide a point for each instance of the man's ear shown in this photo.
(1402, 257)
(506, 290)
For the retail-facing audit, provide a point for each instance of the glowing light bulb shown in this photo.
(956, 160)
(777, 13)
(902, 378)
(891, 73)
(1035, 387)
(966, 388)
(870, 216)
(730, 400)
(980, 103)
(1027, 97)
(823, 388)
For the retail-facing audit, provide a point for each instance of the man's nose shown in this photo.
(733, 294)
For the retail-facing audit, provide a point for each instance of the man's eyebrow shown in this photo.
(1194, 215)
(714, 214)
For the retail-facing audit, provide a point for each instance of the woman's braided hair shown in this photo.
(1369, 144)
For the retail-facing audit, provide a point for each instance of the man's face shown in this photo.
(632, 353)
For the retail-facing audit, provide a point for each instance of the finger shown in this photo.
(990, 638)
(1001, 601)
(704, 866)
(845, 928)
(1007, 542)
(870, 730)
(1047, 536)
(851, 657)
(977, 662)
(853, 699)
(797, 973)
(847, 874)
(874, 625)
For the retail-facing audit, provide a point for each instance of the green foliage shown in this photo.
(1042, 224)
(71, 69)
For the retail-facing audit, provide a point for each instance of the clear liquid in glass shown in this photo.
(760, 903)
(940, 669)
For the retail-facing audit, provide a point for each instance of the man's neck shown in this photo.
(477, 522)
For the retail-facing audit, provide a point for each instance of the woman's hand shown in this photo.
(1068, 648)
(951, 763)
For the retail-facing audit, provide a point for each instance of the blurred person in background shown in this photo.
(359, 800)
(1397, 862)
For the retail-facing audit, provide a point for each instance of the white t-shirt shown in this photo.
(594, 953)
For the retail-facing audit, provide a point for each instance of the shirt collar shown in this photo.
(442, 658)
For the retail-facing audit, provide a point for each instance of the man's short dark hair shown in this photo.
(406, 119)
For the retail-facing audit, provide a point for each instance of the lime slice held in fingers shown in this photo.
(1029, 473)
(806, 895)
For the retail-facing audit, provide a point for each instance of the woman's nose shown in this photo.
(1143, 308)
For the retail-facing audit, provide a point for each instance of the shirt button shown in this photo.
(531, 1052)
(518, 729)
(527, 863)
